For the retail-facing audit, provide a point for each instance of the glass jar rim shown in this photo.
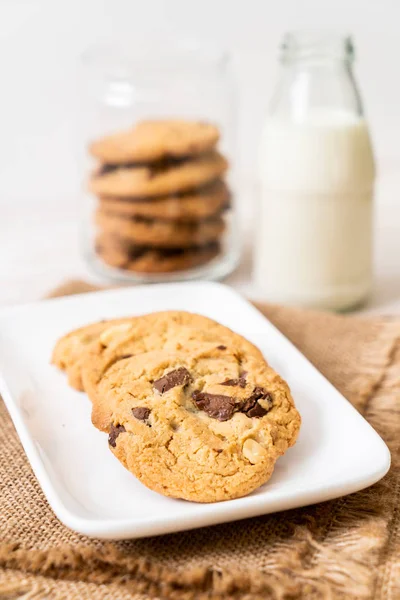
(306, 44)
(144, 56)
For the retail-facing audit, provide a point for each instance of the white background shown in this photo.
(40, 42)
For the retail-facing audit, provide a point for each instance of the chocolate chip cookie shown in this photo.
(144, 259)
(205, 423)
(206, 202)
(69, 352)
(150, 232)
(190, 407)
(170, 331)
(149, 141)
(159, 178)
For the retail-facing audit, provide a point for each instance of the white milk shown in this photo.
(315, 232)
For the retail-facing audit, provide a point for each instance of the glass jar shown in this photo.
(317, 177)
(158, 127)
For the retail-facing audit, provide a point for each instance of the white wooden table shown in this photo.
(40, 249)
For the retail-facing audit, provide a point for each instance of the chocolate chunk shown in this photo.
(251, 406)
(253, 409)
(215, 405)
(260, 394)
(241, 381)
(141, 413)
(230, 382)
(115, 430)
(180, 376)
(221, 347)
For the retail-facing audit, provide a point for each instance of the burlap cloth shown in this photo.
(346, 548)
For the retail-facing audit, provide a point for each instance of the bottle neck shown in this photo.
(316, 76)
(310, 46)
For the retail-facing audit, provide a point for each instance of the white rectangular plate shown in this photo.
(90, 491)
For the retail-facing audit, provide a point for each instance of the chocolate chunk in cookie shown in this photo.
(215, 405)
(239, 381)
(252, 408)
(172, 379)
(141, 413)
(115, 430)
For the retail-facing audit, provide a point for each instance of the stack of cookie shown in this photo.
(191, 408)
(161, 196)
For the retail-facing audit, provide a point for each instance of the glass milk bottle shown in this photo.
(316, 172)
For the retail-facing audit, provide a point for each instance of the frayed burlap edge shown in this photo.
(142, 576)
(366, 575)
